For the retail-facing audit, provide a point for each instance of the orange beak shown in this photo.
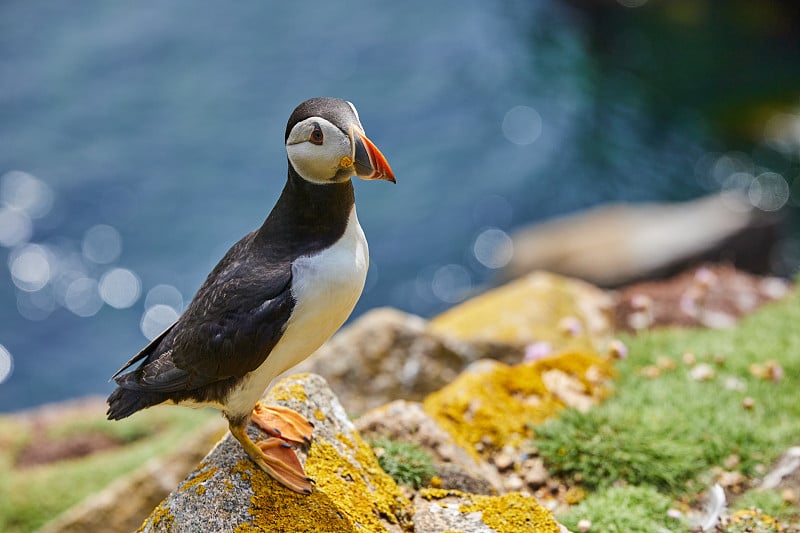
(369, 161)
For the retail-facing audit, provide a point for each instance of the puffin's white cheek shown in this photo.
(313, 163)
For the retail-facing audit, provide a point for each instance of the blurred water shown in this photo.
(138, 141)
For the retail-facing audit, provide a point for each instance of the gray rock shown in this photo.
(227, 491)
(387, 354)
(613, 245)
(407, 421)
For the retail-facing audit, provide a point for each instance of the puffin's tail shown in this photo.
(124, 402)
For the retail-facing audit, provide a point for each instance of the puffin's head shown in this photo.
(325, 143)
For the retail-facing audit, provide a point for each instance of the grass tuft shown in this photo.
(405, 462)
(624, 510)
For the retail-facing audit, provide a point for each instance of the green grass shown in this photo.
(666, 433)
(31, 496)
(624, 510)
(405, 462)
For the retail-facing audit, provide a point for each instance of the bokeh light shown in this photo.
(6, 364)
(522, 125)
(769, 191)
(15, 227)
(493, 248)
(36, 305)
(102, 244)
(30, 267)
(26, 193)
(451, 283)
(120, 288)
(82, 297)
(156, 319)
(164, 294)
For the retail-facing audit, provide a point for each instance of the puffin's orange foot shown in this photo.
(276, 458)
(282, 423)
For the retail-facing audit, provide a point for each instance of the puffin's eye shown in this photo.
(316, 135)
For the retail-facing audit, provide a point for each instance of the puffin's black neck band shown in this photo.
(307, 218)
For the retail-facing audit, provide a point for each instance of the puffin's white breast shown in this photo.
(325, 287)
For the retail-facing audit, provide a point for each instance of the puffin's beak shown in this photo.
(369, 161)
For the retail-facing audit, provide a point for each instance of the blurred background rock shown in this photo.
(139, 141)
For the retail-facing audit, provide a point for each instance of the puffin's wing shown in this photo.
(229, 329)
(147, 350)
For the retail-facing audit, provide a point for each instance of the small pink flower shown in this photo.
(537, 350)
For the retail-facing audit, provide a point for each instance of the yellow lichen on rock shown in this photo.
(161, 517)
(512, 513)
(204, 472)
(533, 309)
(285, 391)
(496, 404)
(348, 495)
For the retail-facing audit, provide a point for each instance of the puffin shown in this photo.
(274, 298)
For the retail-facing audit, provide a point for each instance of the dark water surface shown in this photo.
(139, 140)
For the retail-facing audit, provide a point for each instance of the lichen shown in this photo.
(751, 520)
(498, 406)
(319, 415)
(439, 494)
(512, 513)
(530, 310)
(348, 497)
(284, 391)
(202, 475)
(161, 516)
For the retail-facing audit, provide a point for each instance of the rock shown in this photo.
(440, 511)
(613, 245)
(123, 505)
(227, 491)
(492, 405)
(541, 307)
(534, 472)
(712, 296)
(407, 421)
(568, 389)
(387, 355)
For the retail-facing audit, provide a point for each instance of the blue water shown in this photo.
(165, 121)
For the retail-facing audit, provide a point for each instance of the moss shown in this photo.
(346, 498)
(497, 407)
(512, 513)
